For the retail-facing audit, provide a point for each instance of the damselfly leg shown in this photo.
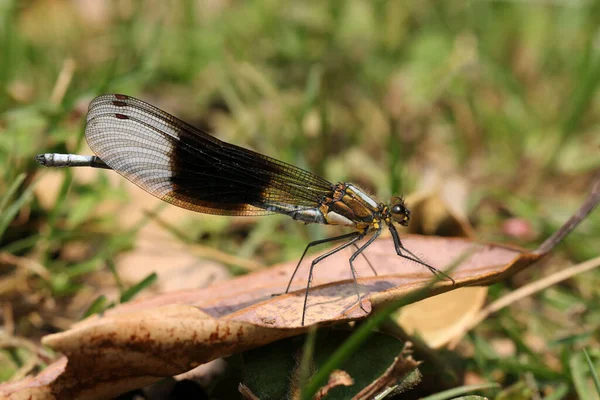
(317, 260)
(400, 249)
(315, 243)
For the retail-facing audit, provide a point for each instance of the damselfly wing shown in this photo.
(189, 168)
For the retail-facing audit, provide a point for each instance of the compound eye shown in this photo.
(400, 214)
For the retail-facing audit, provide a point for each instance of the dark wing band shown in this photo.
(184, 166)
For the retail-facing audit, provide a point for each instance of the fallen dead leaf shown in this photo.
(246, 392)
(402, 366)
(135, 344)
(337, 378)
(333, 298)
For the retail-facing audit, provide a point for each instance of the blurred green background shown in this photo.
(499, 95)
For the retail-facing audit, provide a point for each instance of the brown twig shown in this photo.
(587, 207)
(28, 264)
(526, 291)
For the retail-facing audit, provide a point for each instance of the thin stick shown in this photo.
(526, 291)
(590, 203)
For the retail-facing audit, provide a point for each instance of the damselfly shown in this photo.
(189, 168)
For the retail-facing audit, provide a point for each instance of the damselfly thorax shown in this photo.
(347, 206)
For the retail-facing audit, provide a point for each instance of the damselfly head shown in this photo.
(399, 212)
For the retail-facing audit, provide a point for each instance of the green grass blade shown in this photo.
(452, 393)
(138, 287)
(11, 191)
(307, 357)
(7, 215)
(592, 371)
(97, 306)
(578, 375)
(115, 273)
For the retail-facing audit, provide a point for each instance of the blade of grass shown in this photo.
(578, 375)
(592, 371)
(138, 287)
(583, 94)
(115, 273)
(7, 215)
(20, 245)
(452, 393)
(586, 88)
(11, 191)
(307, 357)
(8, 35)
(540, 369)
(313, 87)
(97, 306)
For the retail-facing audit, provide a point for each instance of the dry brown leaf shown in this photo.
(337, 378)
(402, 365)
(42, 386)
(114, 354)
(246, 392)
(138, 343)
(333, 297)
